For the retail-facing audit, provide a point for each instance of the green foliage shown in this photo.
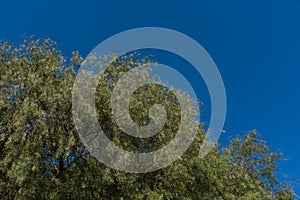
(42, 157)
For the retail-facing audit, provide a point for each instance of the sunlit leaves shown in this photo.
(42, 157)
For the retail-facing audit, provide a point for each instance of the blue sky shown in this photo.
(256, 45)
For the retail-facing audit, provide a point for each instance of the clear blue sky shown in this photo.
(256, 45)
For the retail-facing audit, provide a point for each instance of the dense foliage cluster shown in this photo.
(42, 157)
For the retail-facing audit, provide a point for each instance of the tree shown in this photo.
(42, 156)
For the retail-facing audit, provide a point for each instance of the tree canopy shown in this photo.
(42, 156)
